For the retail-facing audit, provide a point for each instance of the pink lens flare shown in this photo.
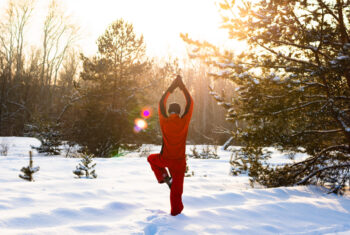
(140, 125)
(137, 129)
(146, 112)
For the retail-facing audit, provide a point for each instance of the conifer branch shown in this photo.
(287, 57)
(303, 181)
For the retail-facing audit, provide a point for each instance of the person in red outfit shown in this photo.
(174, 128)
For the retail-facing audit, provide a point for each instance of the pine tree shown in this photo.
(110, 87)
(294, 87)
(206, 153)
(29, 170)
(49, 135)
(85, 168)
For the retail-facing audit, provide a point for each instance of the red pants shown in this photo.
(177, 170)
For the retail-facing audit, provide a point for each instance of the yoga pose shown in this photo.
(174, 129)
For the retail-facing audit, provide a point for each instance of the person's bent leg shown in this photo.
(176, 191)
(158, 167)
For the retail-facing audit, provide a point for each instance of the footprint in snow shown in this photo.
(155, 214)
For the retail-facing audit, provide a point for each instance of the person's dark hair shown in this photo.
(174, 108)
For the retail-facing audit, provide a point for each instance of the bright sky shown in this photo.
(160, 21)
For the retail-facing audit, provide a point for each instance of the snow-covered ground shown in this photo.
(126, 199)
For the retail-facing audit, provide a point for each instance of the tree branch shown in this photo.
(317, 132)
(298, 107)
(322, 169)
(286, 57)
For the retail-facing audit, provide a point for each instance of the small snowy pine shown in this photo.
(49, 135)
(187, 171)
(206, 153)
(85, 168)
(4, 148)
(29, 170)
(145, 152)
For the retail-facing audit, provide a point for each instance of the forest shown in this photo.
(289, 89)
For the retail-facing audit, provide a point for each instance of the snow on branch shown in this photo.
(323, 151)
(346, 165)
(317, 132)
(298, 106)
(220, 73)
(312, 48)
(340, 119)
(287, 57)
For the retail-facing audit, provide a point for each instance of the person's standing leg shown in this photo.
(176, 191)
(158, 167)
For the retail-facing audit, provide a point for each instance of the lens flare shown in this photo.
(140, 125)
(137, 129)
(146, 112)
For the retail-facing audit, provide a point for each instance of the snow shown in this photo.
(220, 73)
(225, 65)
(217, 97)
(343, 57)
(243, 75)
(276, 79)
(126, 199)
(339, 58)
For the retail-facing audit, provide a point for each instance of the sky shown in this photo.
(160, 21)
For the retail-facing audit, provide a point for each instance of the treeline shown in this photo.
(54, 92)
(33, 79)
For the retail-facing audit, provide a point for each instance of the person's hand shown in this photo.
(181, 84)
(175, 84)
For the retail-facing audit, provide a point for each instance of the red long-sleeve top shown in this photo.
(174, 128)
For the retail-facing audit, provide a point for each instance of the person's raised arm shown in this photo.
(163, 100)
(189, 101)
